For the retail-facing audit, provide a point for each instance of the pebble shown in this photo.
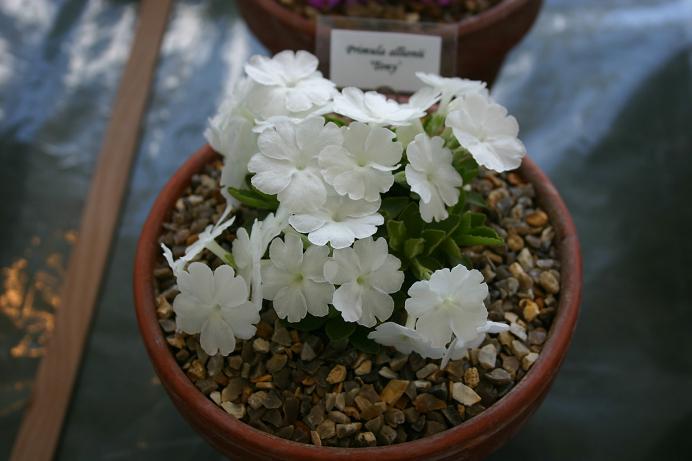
(537, 336)
(366, 439)
(537, 219)
(487, 355)
(528, 360)
(338, 417)
(387, 435)
(525, 259)
(393, 391)
(281, 335)
(499, 376)
(375, 424)
(518, 331)
(519, 349)
(464, 394)
(427, 371)
(530, 309)
(364, 368)
(261, 345)
(233, 390)
(326, 429)
(394, 416)
(347, 430)
(276, 363)
(234, 409)
(388, 373)
(471, 377)
(427, 402)
(515, 242)
(434, 427)
(336, 375)
(307, 353)
(264, 399)
(315, 437)
(549, 282)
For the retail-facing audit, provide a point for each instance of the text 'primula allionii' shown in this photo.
(362, 206)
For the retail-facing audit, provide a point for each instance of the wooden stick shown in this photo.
(40, 429)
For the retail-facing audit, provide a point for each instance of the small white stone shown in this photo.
(234, 409)
(487, 355)
(464, 394)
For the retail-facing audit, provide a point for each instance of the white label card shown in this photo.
(368, 59)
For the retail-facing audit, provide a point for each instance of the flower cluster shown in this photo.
(366, 205)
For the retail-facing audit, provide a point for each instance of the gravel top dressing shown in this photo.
(301, 386)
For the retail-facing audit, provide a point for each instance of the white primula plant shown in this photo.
(347, 212)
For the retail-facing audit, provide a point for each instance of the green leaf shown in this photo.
(433, 238)
(474, 198)
(452, 252)
(468, 169)
(309, 323)
(400, 179)
(411, 217)
(396, 233)
(337, 328)
(482, 235)
(360, 341)
(392, 207)
(419, 271)
(435, 124)
(338, 121)
(431, 263)
(471, 219)
(254, 199)
(413, 247)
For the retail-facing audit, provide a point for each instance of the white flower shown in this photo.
(452, 87)
(205, 239)
(214, 304)
(230, 133)
(248, 250)
(451, 302)
(484, 129)
(361, 168)
(287, 162)
(293, 78)
(367, 274)
(404, 340)
(431, 175)
(406, 134)
(294, 281)
(375, 108)
(339, 221)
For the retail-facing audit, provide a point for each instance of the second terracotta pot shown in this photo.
(483, 40)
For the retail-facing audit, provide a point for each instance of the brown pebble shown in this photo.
(549, 282)
(393, 391)
(471, 377)
(347, 430)
(326, 429)
(530, 309)
(315, 437)
(515, 242)
(364, 368)
(366, 439)
(427, 402)
(337, 375)
(528, 360)
(537, 219)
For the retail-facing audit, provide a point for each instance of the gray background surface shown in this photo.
(603, 93)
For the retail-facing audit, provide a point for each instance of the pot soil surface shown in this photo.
(301, 386)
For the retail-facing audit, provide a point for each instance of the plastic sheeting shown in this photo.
(602, 90)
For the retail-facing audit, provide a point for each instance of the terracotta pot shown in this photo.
(484, 39)
(471, 440)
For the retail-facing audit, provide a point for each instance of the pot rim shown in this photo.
(467, 434)
(465, 26)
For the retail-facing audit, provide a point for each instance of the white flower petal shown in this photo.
(217, 336)
(348, 300)
(290, 304)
